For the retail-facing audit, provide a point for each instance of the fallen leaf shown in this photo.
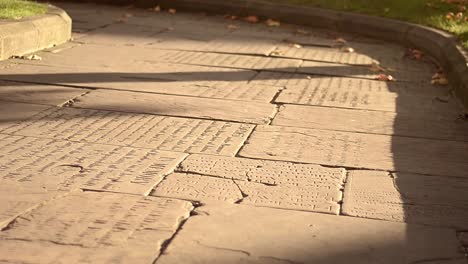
(347, 49)
(232, 27)
(440, 81)
(231, 17)
(272, 23)
(276, 52)
(444, 99)
(385, 77)
(128, 15)
(414, 54)
(172, 11)
(449, 16)
(155, 9)
(252, 19)
(308, 77)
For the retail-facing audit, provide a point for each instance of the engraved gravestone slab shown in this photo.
(232, 61)
(12, 112)
(264, 171)
(207, 189)
(358, 150)
(122, 34)
(17, 198)
(323, 54)
(37, 94)
(411, 198)
(266, 235)
(137, 130)
(198, 188)
(352, 92)
(281, 79)
(334, 69)
(241, 45)
(251, 112)
(375, 122)
(58, 165)
(94, 227)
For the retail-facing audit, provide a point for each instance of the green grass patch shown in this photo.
(448, 15)
(17, 9)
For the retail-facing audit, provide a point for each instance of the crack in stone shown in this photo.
(281, 259)
(244, 195)
(434, 259)
(45, 240)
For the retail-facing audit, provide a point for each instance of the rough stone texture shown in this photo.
(37, 94)
(264, 171)
(264, 235)
(411, 198)
(198, 188)
(358, 150)
(12, 112)
(63, 165)
(94, 227)
(374, 122)
(334, 69)
(252, 112)
(464, 239)
(323, 54)
(29, 35)
(17, 198)
(209, 189)
(136, 130)
(232, 61)
(371, 95)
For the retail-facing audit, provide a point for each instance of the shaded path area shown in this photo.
(186, 138)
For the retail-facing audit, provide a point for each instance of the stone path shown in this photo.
(186, 138)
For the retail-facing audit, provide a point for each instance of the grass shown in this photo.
(17, 9)
(434, 13)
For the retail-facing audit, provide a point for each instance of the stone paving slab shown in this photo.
(38, 94)
(136, 130)
(251, 112)
(264, 235)
(357, 150)
(17, 198)
(141, 76)
(411, 198)
(12, 112)
(335, 69)
(94, 227)
(240, 45)
(58, 165)
(207, 189)
(264, 171)
(373, 122)
(322, 54)
(231, 61)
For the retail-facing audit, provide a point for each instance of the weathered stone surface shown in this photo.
(264, 171)
(282, 79)
(323, 54)
(357, 150)
(17, 198)
(12, 112)
(334, 69)
(63, 165)
(261, 183)
(464, 238)
(411, 198)
(122, 34)
(37, 94)
(264, 235)
(198, 188)
(232, 61)
(94, 227)
(369, 94)
(374, 122)
(241, 45)
(137, 130)
(252, 112)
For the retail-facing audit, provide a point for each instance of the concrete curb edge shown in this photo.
(36, 33)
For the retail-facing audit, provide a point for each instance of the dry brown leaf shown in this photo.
(272, 23)
(347, 49)
(385, 77)
(231, 17)
(414, 54)
(308, 77)
(276, 52)
(252, 19)
(155, 9)
(172, 11)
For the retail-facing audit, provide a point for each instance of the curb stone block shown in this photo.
(32, 34)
